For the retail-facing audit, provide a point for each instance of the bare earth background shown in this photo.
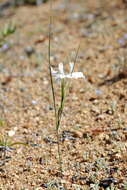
(94, 125)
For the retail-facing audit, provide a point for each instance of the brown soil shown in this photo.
(93, 131)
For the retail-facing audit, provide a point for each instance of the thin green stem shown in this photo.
(76, 56)
(59, 116)
(60, 110)
(53, 91)
(59, 152)
(49, 61)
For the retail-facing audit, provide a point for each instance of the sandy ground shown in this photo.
(93, 133)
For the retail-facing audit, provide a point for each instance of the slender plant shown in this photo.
(6, 144)
(62, 78)
(57, 115)
(6, 31)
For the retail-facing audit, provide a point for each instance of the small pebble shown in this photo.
(4, 48)
(34, 102)
(98, 92)
(121, 41)
(29, 51)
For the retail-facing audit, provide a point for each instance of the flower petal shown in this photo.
(60, 76)
(61, 69)
(77, 75)
(71, 66)
(53, 71)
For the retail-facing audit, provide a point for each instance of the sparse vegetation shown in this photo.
(84, 146)
(6, 31)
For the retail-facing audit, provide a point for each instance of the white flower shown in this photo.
(61, 75)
